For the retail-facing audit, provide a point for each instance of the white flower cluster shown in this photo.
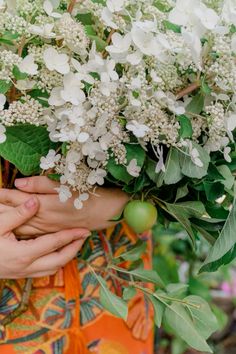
(123, 72)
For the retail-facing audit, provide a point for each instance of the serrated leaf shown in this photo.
(111, 302)
(24, 147)
(173, 171)
(159, 309)
(224, 247)
(85, 18)
(92, 35)
(181, 322)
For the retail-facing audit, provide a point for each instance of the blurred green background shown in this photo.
(176, 263)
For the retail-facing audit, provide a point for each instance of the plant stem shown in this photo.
(186, 91)
(71, 6)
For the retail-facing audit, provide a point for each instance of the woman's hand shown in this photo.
(54, 216)
(37, 257)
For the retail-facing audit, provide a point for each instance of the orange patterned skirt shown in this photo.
(65, 315)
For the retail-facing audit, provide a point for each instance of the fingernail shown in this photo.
(21, 183)
(31, 203)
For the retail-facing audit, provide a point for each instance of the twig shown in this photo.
(71, 6)
(186, 91)
(105, 53)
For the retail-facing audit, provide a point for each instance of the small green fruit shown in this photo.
(140, 216)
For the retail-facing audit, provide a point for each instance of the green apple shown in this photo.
(140, 216)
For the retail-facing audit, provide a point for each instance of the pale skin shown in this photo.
(54, 216)
(37, 257)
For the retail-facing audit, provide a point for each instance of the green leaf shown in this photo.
(24, 147)
(111, 302)
(203, 318)
(229, 179)
(5, 86)
(129, 293)
(181, 322)
(159, 309)
(186, 129)
(206, 90)
(181, 192)
(135, 253)
(172, 26)
(173, 171)
(189, 169)
(148, 276)
(54, 177)
(85, 18)
(213, 190)
(176, 289)
(119, 172)
(100, 43)
(190, 209)
(41, 96)
(224, 245)
(196, 105)
(18, 75)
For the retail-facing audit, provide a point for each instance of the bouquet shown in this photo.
(138, 94)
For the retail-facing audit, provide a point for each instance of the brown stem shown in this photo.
(186, 91)
(105, 53)
(21, 46)
(71, 6)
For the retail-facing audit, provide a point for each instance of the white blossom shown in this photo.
(79, 202)
(64, 193)
(3, 100)
(139, 130)
(28, 65)
(97, 177)
(133, 169)
(49, 9)
(50, 160)
(3, 137)
(55, 61)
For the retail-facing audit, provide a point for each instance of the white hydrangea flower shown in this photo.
(55, 61)
(229, 11)
(72, 91)
(139, 130)
(45, 31)
(50, 160)
(194, 44)
(115, 5)
(96, 177)
(133, 169)
(82, 72)
(3, 136)
(120, 46)
(79, 202)
(107, 17)
(226, 152)
(64, 193)
(160, 164)
(28, 65)
(49, 8)
(3, 100)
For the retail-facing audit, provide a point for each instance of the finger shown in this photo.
(15, 217)
(43, 274)
(12, 197)
(38, 184)
(57, 260)
(47, 244)
(4, 208)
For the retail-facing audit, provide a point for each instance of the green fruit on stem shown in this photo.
(140, 216)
